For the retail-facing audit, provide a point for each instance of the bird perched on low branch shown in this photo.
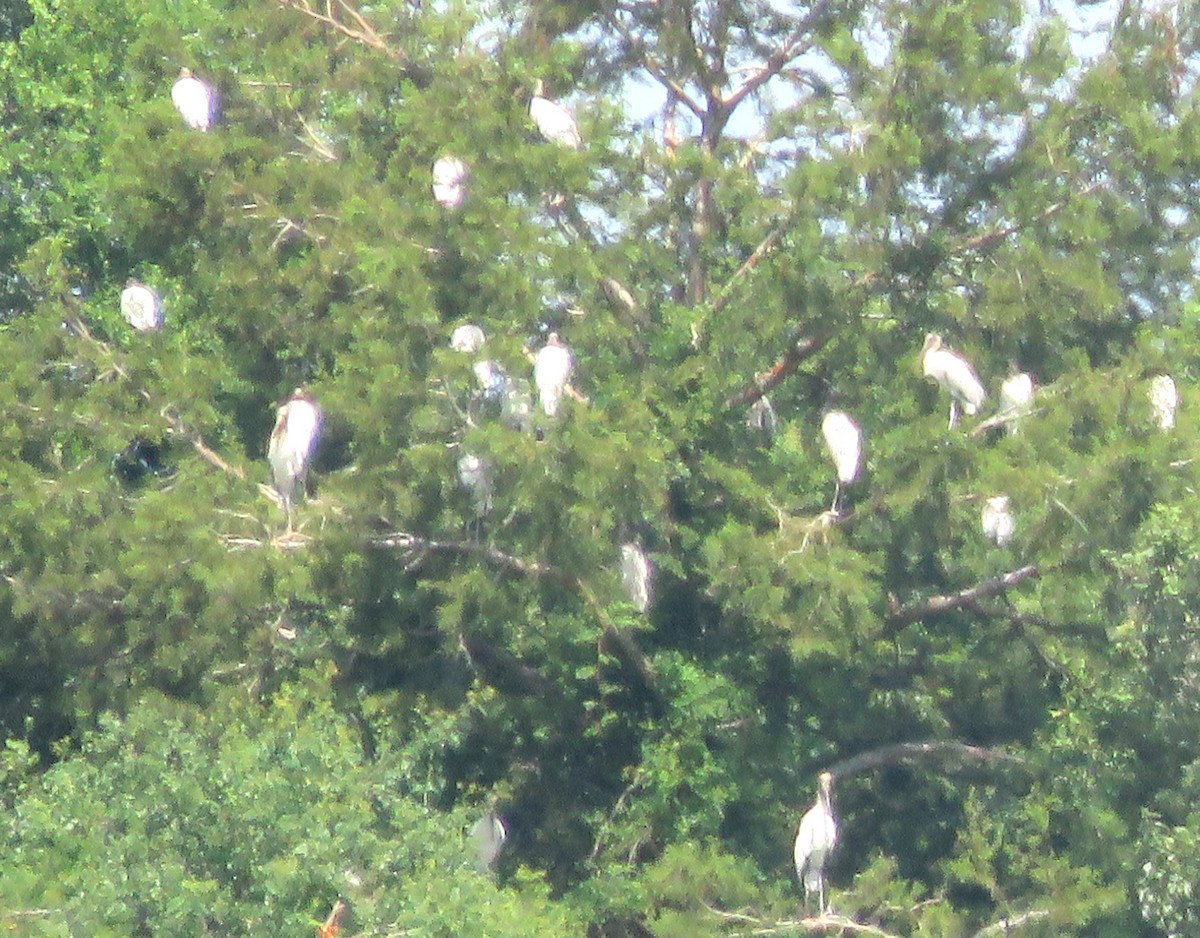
(955, 374)
(552, 368)
(1016, 399)
(195, 100)
(553, 121)
(997, 521)
(488, 835)
(141, 306)
(815, 838)
(843, 439)
(450, 181)
(297, 423)
(1164, 399)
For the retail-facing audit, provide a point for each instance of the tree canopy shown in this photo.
(218, 723)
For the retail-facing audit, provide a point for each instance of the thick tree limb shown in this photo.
(897, 617)
(943, 750)
(798, 351)
(503, 670)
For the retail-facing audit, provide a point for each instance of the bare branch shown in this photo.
(657, 72)
(178, 426)
(897, 617)
(945, 750)
(1008, 923)
(765, 247)
(797, 352)
(827, 922)
(795, 45)
(361, 32)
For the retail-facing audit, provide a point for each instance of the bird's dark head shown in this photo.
(185, 72)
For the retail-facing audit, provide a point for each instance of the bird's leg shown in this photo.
(837, 491)
(953, 414)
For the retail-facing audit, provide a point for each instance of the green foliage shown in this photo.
(243, 721)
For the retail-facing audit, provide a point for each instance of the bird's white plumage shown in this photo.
(297, 424)
(551, 371)
(475, 476)
(516, 404)
(955, 374)
(1016, 398)
(467, 338)
(141, 306)
(553, 121)
(761, 416)
(636, 575)
(488, 835)
(997, 521)
(450, 181)
(815, 838)
(1164, 400)
(843, 439)
(195, 100)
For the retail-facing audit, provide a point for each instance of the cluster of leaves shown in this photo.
(214, 728)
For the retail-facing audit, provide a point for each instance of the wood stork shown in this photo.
(815, 838)
(141, 306)
(450, 181)
(760, 416)
(954, 374)
(475, 475)
(467, 338)
(1016, 399)
(196, 100)
(843, 439)
(997, 520)
(488, 835)
(552, 368)
(297, 423)
(636, 575)
(516, 404)
(1164, 399)
(553, 121)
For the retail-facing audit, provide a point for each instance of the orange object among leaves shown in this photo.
(333, 923)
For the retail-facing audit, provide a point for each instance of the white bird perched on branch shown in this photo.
(196, 100)
(297, 423)
(488, 834)
(1164, 399)
(1016, 399)
(761, 416)
(997, 520)
(814, 841)
(843, 439)
(467, 338)
(475, 476)
(552, 368)
(553, 121)
(450, 181)
(954, 374)
(141, 306)
(636, 575)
